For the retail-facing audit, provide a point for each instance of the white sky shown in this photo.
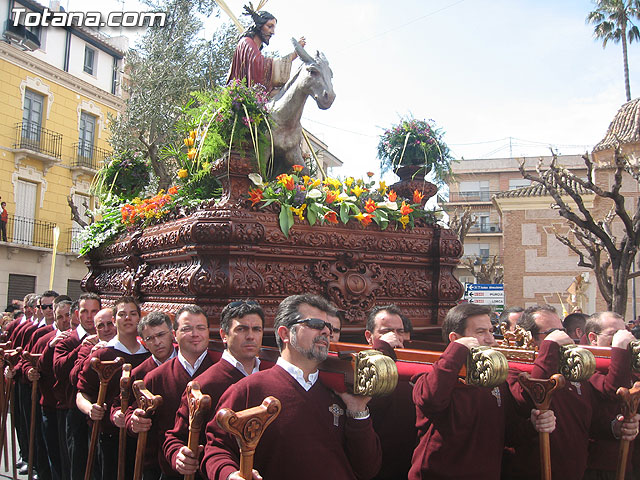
(484, 70)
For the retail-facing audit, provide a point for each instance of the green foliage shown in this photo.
(415, 142)
(126, 175)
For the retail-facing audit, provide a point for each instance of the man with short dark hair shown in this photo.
(125, 344)
(387, 324)
(241, 327)
(318, 434)
(575, 430)
(335, 319)
(510, 316)
(71, 421)
(574, 324)
(462, 428)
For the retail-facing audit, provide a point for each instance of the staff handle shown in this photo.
(629, 399)
(125, 392)
(32, 359)
(148, 402)
(199, 406)
(540, 391)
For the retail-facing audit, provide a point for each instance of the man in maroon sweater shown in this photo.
(462, 427)
(241, 327)
(169, 380)
(577, 406)
(318, 434)
(394, 422)
(72, 425)
(125, 344)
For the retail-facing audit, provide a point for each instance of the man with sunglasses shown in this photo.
(241, 328)
(318, 434)
(125, 344)
(169, 380)
(579, 406)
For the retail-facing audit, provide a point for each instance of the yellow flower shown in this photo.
(299, 211)
(382, 188)
(189, 141)
(316, 183)
(182, 173)
(357, 190)
(192, 134)
(335, 183)
(305, 179)
(349, 181)
(404, 220)
(192, 153)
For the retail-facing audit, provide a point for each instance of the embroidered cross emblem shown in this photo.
(336, 411)
(496, 393)
(577, 387)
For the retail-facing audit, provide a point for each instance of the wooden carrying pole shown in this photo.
(259, 419)
(125, 391)
(105, 371)
(4, 404)
(199, 406)
(540, 391)
(630, 400)
(32, 359)
(148, 402)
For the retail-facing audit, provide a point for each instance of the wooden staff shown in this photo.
(199, 406)
(125, 391)
(247, 427)
(32, 359)
(4, 403)
(630, 400)
(11, 358)
(540, 391)
(105, 371)
(148, 402)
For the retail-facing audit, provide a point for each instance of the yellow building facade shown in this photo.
(55, 101)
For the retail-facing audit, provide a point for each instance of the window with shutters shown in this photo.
(22, 226)
(89, 60)
(19, 286)
(32, 117)
(87, 135)
(74, 290)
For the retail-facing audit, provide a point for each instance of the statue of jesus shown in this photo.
(249, 63)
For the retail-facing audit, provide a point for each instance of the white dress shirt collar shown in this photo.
(191, 370)
(226, 355)
(298, 374)
(115, 343)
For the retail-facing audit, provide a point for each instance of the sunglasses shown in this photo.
(45, 307)
(243, 302)
(314, 323)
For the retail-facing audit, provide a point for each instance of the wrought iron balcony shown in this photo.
(482, 259)
(29, 231)
(31, 136)
(87, 155)
(473, 196)
(486, 228)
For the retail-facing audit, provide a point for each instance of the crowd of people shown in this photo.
(434, 427)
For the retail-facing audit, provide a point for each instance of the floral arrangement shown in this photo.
(126, 175)
(415, 142)
(332, 201)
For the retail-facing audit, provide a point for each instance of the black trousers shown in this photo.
(77, 434)
(63, 450)
(50, 438)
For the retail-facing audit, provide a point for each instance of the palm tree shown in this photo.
(613, 20)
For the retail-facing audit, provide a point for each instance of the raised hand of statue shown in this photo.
(302, 41)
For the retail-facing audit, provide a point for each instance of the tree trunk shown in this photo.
(620, 281)
(625, 60)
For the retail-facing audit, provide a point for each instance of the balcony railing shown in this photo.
(88, 155)
(474, 196)
(28, 231)
(71, 242)
(31, 136)
(486, 228)
(481, 259)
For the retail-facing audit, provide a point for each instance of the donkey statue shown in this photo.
(313, 78)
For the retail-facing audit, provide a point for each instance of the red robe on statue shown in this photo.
(249, 63)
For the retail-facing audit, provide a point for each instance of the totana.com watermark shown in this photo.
(48, 18)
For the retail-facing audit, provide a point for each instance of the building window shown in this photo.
(73, 289)
(24, 219)
(475, 191)
(87, 135)
(32, 117)
(515, 183)
(89, 56)
(19, 286)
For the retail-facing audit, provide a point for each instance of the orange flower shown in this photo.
(255, 196)
(286, 181)
(370, 174)
(405, 209)
(364, 218)
(189, 141)
(331, 217)
(331, 197)
(191, 154)
(173, 190)
(370, 206)
(417, 196)
(393, 196)
(297, 168)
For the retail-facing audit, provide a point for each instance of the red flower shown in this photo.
(405, 209)
(286, 181)
(297, 168)
(331, 197)
(370, 206)
(331, 217)
(255, 196)
(392, 196)
(172, 190)
(417, 196)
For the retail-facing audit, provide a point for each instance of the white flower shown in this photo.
(314, 194)
(256, 179)
(343, 197)
(389, 205)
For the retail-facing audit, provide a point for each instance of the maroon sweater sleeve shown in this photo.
(618, 375)
(432, 391)
(361, 440)
(65, 355)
